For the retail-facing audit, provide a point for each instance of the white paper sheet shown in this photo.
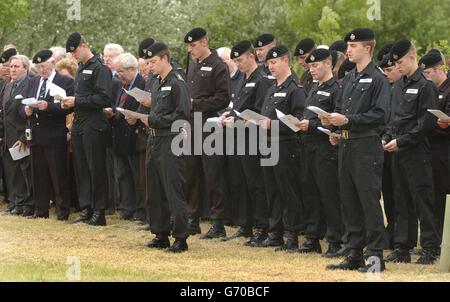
(288, 120)
(16, 154)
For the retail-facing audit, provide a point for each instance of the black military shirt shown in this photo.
(364, 99)
(170, 102)
(307, 81)
(209, 85)
(410, 122)
(439, 134)
(93, 92)
(289, 98)
(325, 97)
(252, 91)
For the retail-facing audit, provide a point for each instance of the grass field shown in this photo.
(38, 250)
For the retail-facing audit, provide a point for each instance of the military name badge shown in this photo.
(250, 85)
(205, 68)
(412, 91)
(87, 71)
(280, 95)
(166, 88)
(324, 93)
(365, 80)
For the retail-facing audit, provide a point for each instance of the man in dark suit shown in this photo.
(48, 141)
(126, 160)
(12, 134)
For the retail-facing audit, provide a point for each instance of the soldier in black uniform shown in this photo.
(406, 137)
(302, 50)
(283, 185)
(48, 142)
(362, 109)
(252, 209)
(209, 88)
(433, 65)
(166, 170)
(262, 45)
(93, 88)
(319, 169)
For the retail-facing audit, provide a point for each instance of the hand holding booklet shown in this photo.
(17, 153)
(439, 114)
(251, 116)
(30, 102)
(57, 92)
(318, 111)
(132, 114)
(288, 120)
(139, 94)
(328, 132)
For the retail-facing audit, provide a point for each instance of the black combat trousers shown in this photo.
(166, 185)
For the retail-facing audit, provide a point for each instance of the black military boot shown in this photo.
(84, 216)
(333, 248)
(98, 218)
(179, 246)
(275, 239)
(427, 257)
(310, 246)
(159, 242)
(374, 264)
(353, 261)
(259, 235)
(216, 231)
(399, 256)
(291, 244)
(245, 232)
(17, 211)
(194, 226)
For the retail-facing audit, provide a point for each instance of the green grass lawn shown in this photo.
(38, 250)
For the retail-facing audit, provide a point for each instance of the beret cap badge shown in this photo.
(352, 37)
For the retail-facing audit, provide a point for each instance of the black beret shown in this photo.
(386, 49)
(42, 56)
(7, 54)
(339, 46)
(304, 46)
(277, 52)
(144, 45)
(318, 55)
(155, 49)
(195, 35)
(73, 42)
(263, 40)
(433, 58)
(400, 49)
(386, 62)
(360, 35)
(240, 48)
(346, 66)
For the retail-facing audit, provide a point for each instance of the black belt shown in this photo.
(161, 132)
(346, 134)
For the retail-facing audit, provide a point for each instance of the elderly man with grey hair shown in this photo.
(111, 52)
(12, 135)
(126, 157)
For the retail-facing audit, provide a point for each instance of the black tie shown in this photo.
(43, 90)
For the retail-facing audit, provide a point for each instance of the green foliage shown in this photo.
(33, 25)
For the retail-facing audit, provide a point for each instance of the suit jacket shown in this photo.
(123, 135)
(12, 123)
(49, 127)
